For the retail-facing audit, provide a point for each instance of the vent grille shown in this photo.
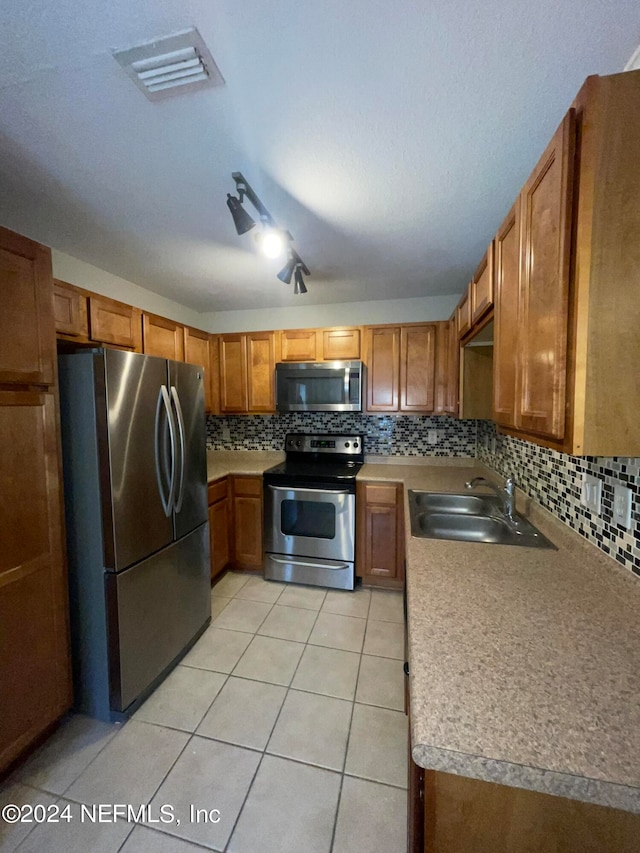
(172, 65)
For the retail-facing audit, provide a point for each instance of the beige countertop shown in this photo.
(221, 463)
(524, 663)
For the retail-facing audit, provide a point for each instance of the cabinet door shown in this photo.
(34, 650)
(381, 538)
(505, 347)
(453, 368)
(27, 331)
(247, 521)
(544, 287)
(417, 368)
(482, 287)
(219, 517)
(163, 337)
(383, 368)
(70, 311)
(341, 344)
(112, 322)
(463, 314)
(298, 345)
(233, 374)
(197, 350)
(260, 348)
(443, 352)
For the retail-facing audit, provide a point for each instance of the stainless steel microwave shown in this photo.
(329, 386)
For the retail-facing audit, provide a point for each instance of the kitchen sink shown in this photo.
(470, 518)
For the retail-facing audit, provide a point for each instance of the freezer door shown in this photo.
(186, 386)
(135, 441)
(154, 610)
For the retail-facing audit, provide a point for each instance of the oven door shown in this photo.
(309, 522)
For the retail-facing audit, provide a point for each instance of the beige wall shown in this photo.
(85, 275)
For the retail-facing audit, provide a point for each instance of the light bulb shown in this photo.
(271, 243)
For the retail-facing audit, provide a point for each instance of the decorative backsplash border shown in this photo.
(385, 435)
(554, 480)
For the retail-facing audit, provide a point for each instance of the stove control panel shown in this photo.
(299, 442)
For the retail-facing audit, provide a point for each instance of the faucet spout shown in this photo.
(507, 494)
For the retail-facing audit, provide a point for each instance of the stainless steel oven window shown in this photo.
(308, 518)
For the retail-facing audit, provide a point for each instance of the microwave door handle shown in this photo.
(347, 371)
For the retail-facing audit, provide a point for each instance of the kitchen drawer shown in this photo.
(217, 490)
(385, 495)
(248, 486)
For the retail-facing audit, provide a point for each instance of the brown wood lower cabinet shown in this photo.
(380, 534)
(247, 522)
(219, 526)
(464, 815)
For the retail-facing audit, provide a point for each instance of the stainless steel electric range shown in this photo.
(310, 511)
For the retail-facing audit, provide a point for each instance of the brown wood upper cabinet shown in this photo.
(27, 332)
(505, 340)
(401, 368)
(447, 380)
(70, 311)
(482, 287)
(113, 322)
(162, 337)
(198, 349)
(342, 343)
(463, 313)
(247, 369)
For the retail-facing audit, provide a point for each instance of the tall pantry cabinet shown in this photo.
(35, 680)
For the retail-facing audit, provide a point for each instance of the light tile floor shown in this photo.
(286, 718)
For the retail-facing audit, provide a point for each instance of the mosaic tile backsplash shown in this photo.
(552, 479)
(385, 435)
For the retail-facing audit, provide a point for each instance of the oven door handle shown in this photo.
(304, 561)
(312, 490)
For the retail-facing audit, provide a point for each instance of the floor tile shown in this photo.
(371, 817)
(218, 604)
(244, 713)
(144, 840)
(217, 650)
(309, 597)
(385, 639)
(230, 584)
(78, 835)
(242, 615)
(17, 794)
(378, 745)
(131, 766)
(291, 807)
(312, 728)
(386, 606)
(208, 775)
(330, 671)
(381, 682)
(258, 589)
(268, 659)
(338, 632)
(346, 603)
(288, 623)
(183, 698)
(66, 753)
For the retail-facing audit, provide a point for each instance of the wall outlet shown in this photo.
(591, 493)
(492, 444)
(622, 506)
(433, 436)
(226, 433)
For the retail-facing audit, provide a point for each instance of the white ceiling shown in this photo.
(389, 138)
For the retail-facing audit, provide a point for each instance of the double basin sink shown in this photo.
(470, 518)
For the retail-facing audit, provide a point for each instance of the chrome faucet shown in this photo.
(507, 494)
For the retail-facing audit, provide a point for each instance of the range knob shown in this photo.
(346, 444)
(298, 443)
(355, 445)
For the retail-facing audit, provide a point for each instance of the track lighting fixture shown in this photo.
(272, 240)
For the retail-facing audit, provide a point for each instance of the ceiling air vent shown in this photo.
(172, 65)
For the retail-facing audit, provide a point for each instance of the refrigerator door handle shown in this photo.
(180, 492)
(163, 399)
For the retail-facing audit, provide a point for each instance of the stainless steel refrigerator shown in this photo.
(135, 487)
